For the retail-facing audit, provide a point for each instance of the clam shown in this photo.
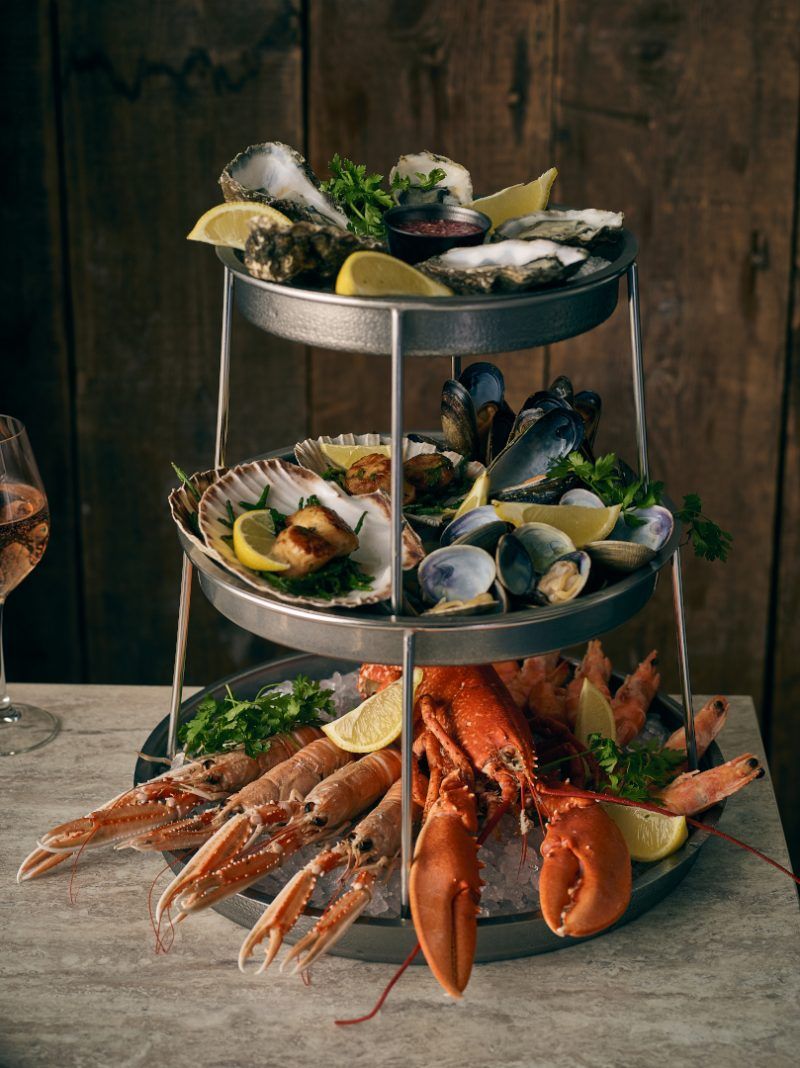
(505, 267)
(628, 548)
(564, 579)
(524, 555)
(581, 498)
(466, 524)
(274, 173)
(455, 573)
(303, 251)
(520, 472)
(585, 227)
(454, 188)
(494, 601)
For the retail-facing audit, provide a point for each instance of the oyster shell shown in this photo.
(303, 251)
(274, 173)
(454, 188)
(288, 483)
(504, 267)
(566, 227)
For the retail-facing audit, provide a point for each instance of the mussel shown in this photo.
(475, 413)
(521, 471)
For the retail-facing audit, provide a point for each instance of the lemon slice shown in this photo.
(375, 274)
(373, 724)
(517, 200)
(229, 223)
(477, 496)
(581, 524)
(648, 835)
(594, 714)
(345, 455)
(253, 539)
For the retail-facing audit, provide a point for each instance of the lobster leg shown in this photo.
(585, 882)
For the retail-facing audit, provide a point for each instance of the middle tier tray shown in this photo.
(375, 635)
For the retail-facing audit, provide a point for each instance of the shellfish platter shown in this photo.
(503, 510)
(294, 229)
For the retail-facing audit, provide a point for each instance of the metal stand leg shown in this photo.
(397, 462)
(187, 571)
(407, 829)
(638, 370)
(644, 472)
(683, 660)
(455, 366)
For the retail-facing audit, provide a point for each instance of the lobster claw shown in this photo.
(445, 885)
(585, 881)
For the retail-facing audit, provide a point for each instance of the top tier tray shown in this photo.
(445, 326)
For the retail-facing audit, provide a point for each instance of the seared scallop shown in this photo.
(374, 472)
(428, 472)
(304, 550)
(325, 522)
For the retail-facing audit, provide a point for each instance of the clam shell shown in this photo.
(309, 454)
(565, 579)
(455, 573)
(620, 555)
(288, 484)
(183, 505)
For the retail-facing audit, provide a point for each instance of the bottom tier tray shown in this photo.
(390, 940)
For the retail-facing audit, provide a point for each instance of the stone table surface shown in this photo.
(709, 977)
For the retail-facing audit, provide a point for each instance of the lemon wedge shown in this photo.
(375, 274)
(517, 200)
(582, 525)
(477, 496)
(649, 836)
(594, 714)
(375, 723)
(253, 539)
(345, 455)
(228, 224)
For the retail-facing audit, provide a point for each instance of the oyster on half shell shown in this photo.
(274, 173)
(504, 267)
(454, 188)
(566, 227)
(301, 251)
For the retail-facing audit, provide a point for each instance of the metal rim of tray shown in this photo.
(443, 326)
(390, 940)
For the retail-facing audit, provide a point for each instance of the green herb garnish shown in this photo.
(425, 183)
(187, 482)
(334, 474)
(614, 484)
(635, 773)
(333, 580)
(358, 194)
(234, 722)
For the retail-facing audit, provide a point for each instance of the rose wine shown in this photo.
(24, 531)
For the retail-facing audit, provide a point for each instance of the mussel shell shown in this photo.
(499, 432)
(534, 407)
(589, 406)
(455, 573)
(459, 424)
(565, 579)
(484, 382)
(530, 453)
(622, 556)
(561, 387)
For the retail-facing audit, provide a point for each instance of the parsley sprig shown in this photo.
(359, 195)
(636, 773)
(614, 483)
(235, 722)
(425, 182)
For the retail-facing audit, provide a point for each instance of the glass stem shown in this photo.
(7, 713)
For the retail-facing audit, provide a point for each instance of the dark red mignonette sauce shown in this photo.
(438, 227)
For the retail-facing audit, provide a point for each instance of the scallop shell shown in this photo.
(288, 483)
(183, 505)
(309, 454)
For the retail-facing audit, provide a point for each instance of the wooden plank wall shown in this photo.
(121, 116)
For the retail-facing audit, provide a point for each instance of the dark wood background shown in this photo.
(118, 117)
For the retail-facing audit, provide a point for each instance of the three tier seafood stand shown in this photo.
(406, 329)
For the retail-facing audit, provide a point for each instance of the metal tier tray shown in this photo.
(447, 326)
(503, 937)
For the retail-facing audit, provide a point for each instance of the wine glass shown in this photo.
(24, 532)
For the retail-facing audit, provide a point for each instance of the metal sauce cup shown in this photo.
(413, 248)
